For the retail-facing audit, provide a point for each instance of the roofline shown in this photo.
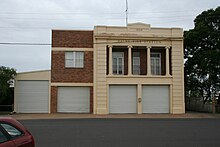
(34, 71)
(72, 30)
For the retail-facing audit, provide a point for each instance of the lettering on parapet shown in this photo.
(140, 41)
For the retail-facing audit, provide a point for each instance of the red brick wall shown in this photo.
(68, 38)
(91, 99)
(53, 104)
(76, 75)
(143, 62)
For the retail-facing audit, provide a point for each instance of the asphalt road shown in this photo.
(125, 132)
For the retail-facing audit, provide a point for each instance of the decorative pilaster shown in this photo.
(129, 61)
(167, 61)
(110, 60)
(148, 61)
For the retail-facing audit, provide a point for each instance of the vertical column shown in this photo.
(129, 61)
(110, 60)
(167, 61)
(139, 98)
(171, 98)
(148, 61)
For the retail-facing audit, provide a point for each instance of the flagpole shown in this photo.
(126, 11)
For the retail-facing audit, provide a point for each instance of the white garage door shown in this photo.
(122, 99)
(32, 96)
(155, 99)
(73, 99)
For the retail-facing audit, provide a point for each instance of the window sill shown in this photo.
(74, 67)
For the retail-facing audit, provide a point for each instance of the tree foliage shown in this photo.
(6, 74)
(202, 55)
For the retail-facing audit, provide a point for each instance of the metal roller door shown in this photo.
(32, 96)
(73, 99)
(122, 99)
(155, 99)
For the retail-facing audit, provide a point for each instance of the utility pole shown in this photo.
(126, 12)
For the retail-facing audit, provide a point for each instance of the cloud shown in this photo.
(32, 21)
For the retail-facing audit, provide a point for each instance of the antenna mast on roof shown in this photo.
(126, 11)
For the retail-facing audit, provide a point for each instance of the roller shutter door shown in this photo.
(155, 99)
(122, 99)
(73, 99)
(32, 96)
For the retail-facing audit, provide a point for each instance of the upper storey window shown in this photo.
(118, 63)
(74, 59)
(155, 63)
(136, 63)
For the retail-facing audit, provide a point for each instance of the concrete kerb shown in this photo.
(110, 116)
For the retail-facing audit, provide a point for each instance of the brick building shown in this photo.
(132, 69)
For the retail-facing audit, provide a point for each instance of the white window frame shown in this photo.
(74, 59)
(136, 65)
(118, 56)
(155, 63)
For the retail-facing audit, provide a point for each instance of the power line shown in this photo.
(23, 43)
(164, 17)
(73, 43)
(70, 13)
(62, 28)
(80, 27)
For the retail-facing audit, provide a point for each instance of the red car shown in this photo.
(14, 134)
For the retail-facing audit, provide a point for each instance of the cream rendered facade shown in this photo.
(142, 35)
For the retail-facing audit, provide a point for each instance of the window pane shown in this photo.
(118, 62)
(69, 59)
(79, 63)
(156, 63)
(79, 55)
(136, 54)
(2, 137)
(114, 65)
(120, 69)
(12, 131)
(68, 55)
(79, 59)
(136, 69)
(117, 54)
(69, 63)
(74, 59)
(120, 66)
(136, 63)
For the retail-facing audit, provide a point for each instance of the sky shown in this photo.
(25, 25)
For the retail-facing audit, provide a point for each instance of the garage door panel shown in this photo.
(155, 99)
(32, 96)
(122, 99)
(74, 99)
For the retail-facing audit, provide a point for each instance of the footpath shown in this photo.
(187, 115)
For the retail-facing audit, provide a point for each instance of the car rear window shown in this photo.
(12, 131)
